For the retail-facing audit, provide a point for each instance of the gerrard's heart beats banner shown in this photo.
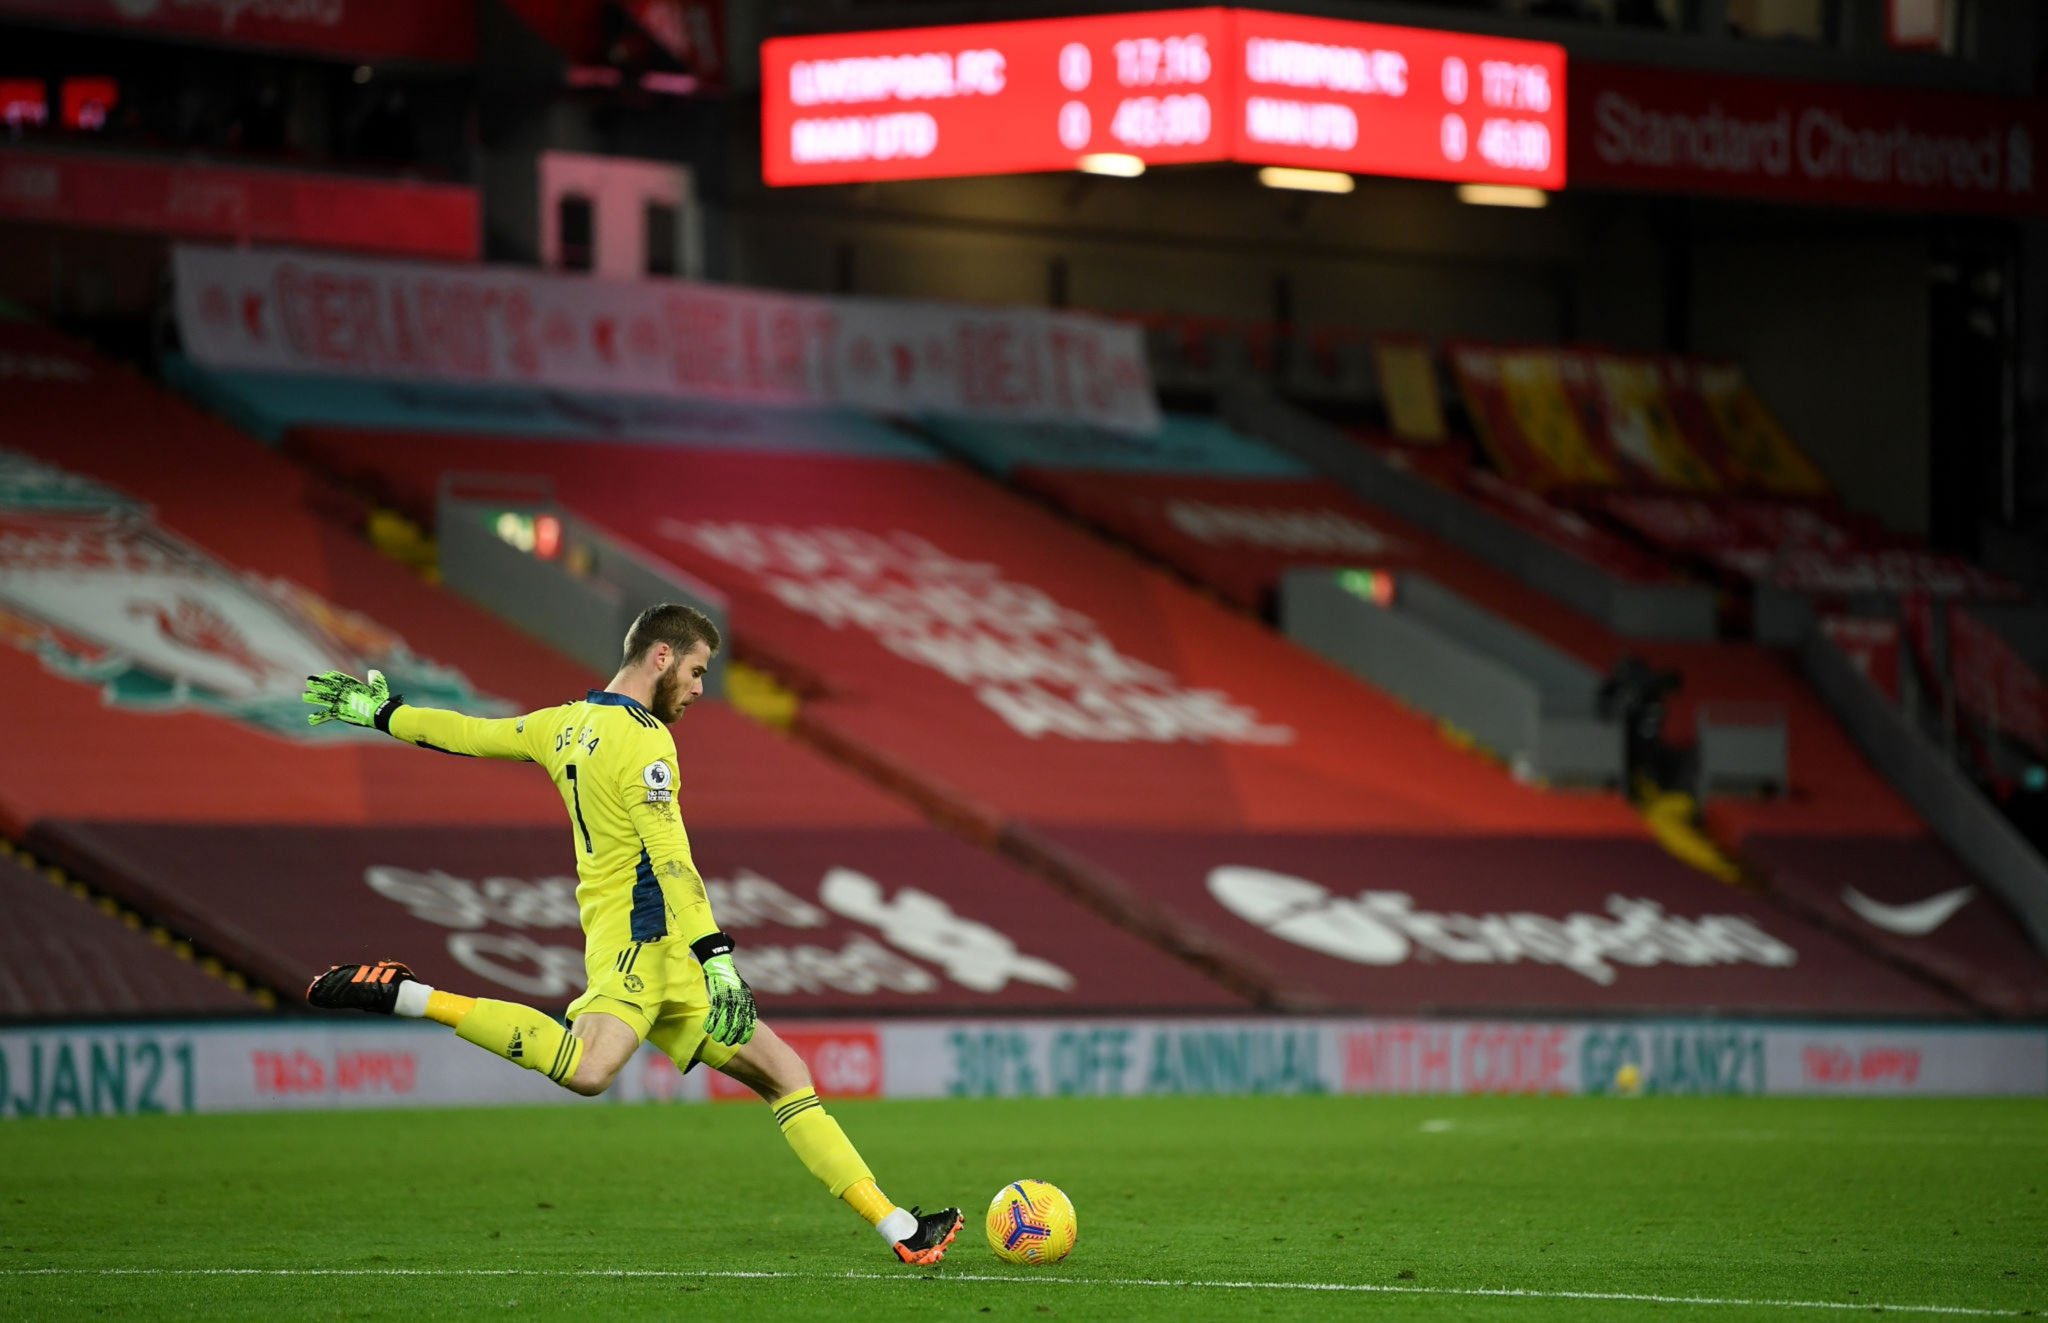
(306, 313)
(892, 919)
(1891, 147)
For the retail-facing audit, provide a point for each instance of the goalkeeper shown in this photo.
(660, 970)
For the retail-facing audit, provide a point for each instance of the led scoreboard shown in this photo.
(1165, 86)
(1376, 100)
(992, 98)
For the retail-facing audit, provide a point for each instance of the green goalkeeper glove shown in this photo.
(339, 696)
(732, 1015)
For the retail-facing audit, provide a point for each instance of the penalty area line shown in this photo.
(1171, 1284)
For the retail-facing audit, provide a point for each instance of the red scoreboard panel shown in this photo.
(1414, 102)
(1174, 85)
(992, 98)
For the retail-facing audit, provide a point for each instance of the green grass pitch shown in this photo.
(1491, 1208)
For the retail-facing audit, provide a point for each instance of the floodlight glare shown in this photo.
(1307, 181)
(1120, 164)
(1502, 195)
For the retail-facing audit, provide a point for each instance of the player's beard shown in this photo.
(669, 704)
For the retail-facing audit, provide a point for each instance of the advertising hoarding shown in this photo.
(188, 1068)
(1907, 149)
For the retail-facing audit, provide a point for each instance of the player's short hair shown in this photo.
(681, 627)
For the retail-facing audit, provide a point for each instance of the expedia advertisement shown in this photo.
(125, 1071)
(1479, 924)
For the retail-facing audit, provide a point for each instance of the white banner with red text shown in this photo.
(285, 311)
(214, 1067)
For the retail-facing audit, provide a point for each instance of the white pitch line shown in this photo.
(1491, 1130)
(1361, 1288)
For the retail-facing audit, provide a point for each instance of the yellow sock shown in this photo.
(448, 1007)
(823, 1147)
(521, 1035)
(867, 1199)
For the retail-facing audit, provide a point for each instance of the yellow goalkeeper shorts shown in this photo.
(658, 988)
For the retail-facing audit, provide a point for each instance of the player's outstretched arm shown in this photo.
(339, 696)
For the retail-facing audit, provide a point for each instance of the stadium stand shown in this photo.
(163, 615)
(1233, 514)
(1557, 419)
(1213, 721)
(1229, 512)
(62, 957)
(873, 918)
(1910, 899)
(1682, 458)
(859, 576)
(1414, 924)
(1431, 618)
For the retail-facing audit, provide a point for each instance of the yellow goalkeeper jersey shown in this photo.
(615, 766)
